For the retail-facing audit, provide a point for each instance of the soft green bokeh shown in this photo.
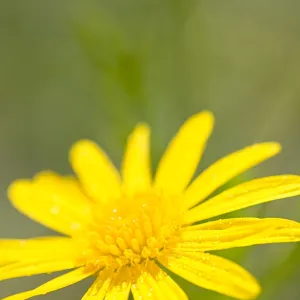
(93, 69)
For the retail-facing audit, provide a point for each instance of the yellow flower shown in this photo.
(122, 229)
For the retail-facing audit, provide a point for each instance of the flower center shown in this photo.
(130, 230)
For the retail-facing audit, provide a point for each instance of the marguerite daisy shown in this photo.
(123, 228)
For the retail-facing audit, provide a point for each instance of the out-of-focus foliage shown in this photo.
(92, 69)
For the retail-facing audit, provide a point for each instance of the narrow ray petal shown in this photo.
(153, 283)
(225, 169)
(35, 267)
(36, 249)
(120, 286)
(100, 286)
(182, 156)
(247, 194)
(54, 201)
(98, 175)
(53, 285)
(213, 273)
(136, 169)
(238, 232)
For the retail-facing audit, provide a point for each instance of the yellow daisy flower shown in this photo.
(123, 229)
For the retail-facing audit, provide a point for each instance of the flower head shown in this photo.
(123, 228)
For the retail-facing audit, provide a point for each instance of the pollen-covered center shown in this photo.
(130, 230)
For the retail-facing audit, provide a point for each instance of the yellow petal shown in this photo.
(237, 232)
(171, 290)
(100, 286)
(247, 194)
(36, 249)
(225, 169)
(98, 175)
(182, 156)
(153, 283)
(35, 267)
(53, 285)
(136, 169)
(213, 273)
(120, 286)
(53, 201)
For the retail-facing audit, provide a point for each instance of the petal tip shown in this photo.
(18, 188)
(206, 114)
(80, 148)
(81, 144)
(255, 290)
(203, 119)
(275, 147)
(142, 129)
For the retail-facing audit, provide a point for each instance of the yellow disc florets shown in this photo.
(130, 230)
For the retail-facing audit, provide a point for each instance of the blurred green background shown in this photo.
(92, 69)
